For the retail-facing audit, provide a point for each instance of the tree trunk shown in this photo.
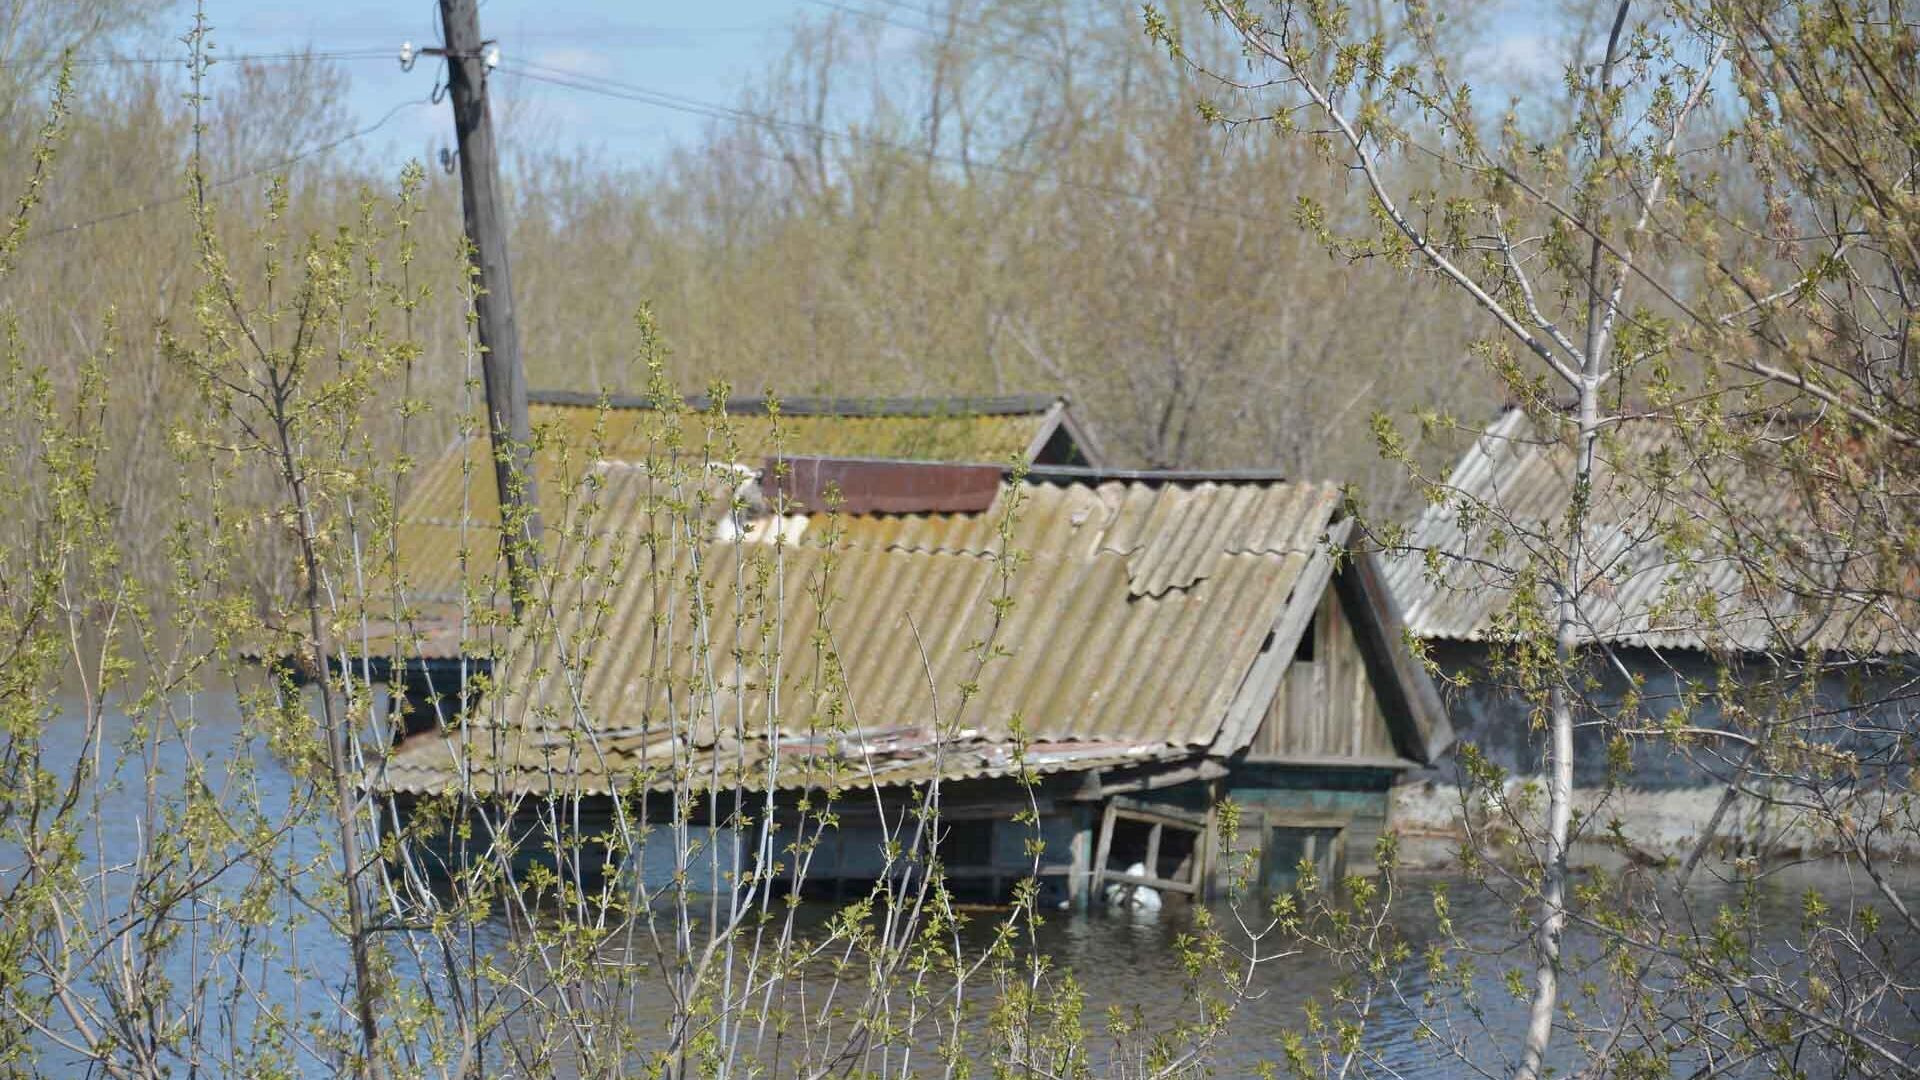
(1567, 645)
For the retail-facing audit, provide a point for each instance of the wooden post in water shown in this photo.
(509, 430)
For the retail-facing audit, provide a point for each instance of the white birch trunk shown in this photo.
(1567, 638)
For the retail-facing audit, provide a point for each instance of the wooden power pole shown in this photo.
(509, 429)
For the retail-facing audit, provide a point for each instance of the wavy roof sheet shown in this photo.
(1169, 535)
(1137, 611)
(911, 429)
(1670, 569)
(448, 527)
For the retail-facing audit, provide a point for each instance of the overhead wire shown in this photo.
(886, 20)
(595, 84)
(932, 15)
(129, 61)
(936, 15)
(623, 91)
(875, 16)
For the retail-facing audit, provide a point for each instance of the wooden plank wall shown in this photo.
(1326, 708)
(1360, 813)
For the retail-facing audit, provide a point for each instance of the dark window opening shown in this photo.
(1289, 847)
(1129, 846)
(1175, 860)
(966, 843)
(827, 888)
(1304, 653)
(1159, 848)
(976, 890)
(1060, 449)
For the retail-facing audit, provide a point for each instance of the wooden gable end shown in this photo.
(1327, 710)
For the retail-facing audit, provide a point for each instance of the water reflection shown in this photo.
(1124, 959)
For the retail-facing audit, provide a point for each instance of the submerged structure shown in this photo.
(452, 589)
(1715, 586)
(1094, 659)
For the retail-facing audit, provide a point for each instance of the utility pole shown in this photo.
(509, 430)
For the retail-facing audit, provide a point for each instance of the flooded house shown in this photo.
(451, 589)
(1094, 659)
(1677, 615)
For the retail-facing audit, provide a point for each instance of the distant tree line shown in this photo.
(1025, 200)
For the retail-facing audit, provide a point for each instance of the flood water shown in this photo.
(1123, 959)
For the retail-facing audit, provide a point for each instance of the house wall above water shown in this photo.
(1865, 708)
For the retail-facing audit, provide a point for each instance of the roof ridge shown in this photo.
(955, 405)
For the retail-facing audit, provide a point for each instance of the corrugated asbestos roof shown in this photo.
(1170, 535)
(1650, 591)
(458, 486)
(1139, 608)
(448, 529)
(900, 429)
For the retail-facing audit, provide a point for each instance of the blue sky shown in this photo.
(705, 52)
(700, 53)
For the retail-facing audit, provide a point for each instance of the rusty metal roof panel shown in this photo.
(883, 630)
(816, 485)
(461, 478)
(1666, 571)
(577, 435)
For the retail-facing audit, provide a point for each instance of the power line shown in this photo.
(932, 32)
(594, 84)
(875, 16)
(936, 15)
(227, 181)
(611, 88)
(130, 61)
(932, 16)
